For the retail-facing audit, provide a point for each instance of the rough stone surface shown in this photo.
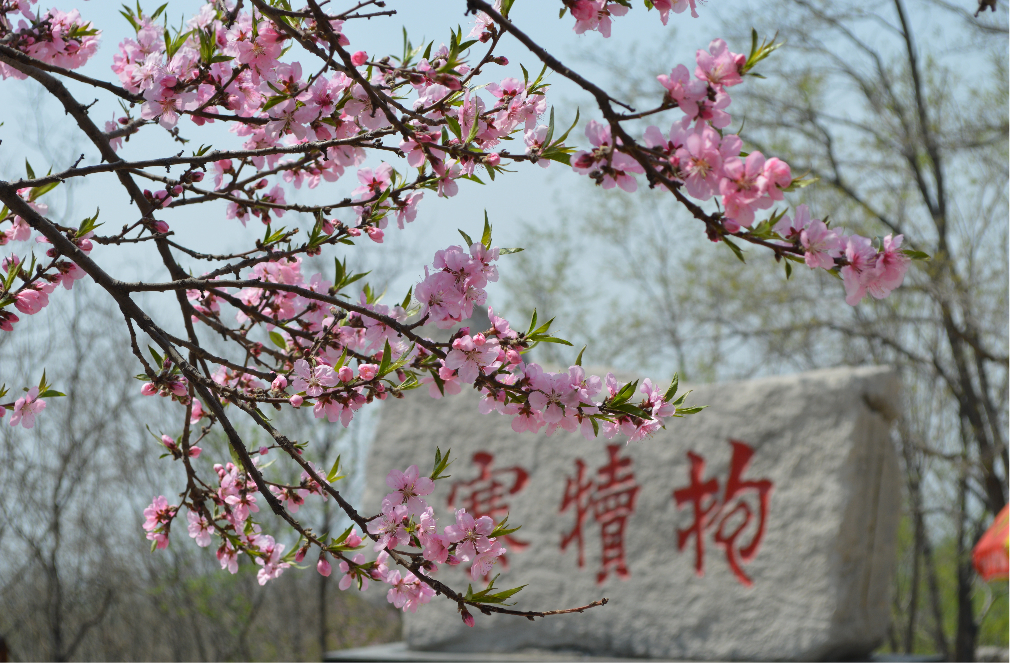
(814, 586)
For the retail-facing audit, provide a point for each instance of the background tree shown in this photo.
(900, 111)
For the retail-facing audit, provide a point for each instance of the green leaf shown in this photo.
(438, 381)
(485, 595)
(789, 270)
(916, 255)
(401, 361)
(542, 329)
(578, 360)
(486, 237)
(28, 169)
(12, 271)
(631, 409)
(736, 249)
(386, 352)
(672, 391)
(505, 252)
(473, 130)
(51, 393)
(89, 224)
(625, 393)
(691, 410)
(331, 476)
(561, 140)
(157, 357)
(339, 269)
(441, 463)
(347, 532)
(502, 529)
(278, 340)
(39, 191)
(406, 300)
(550, 339)
(469, 242)
(800, 183)
(454, 127)
(550, 129)
(273, 101)
(532, 322)
(340, 362)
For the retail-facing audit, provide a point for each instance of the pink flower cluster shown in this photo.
(33, 295)
(695, 152)
(866, 269)
(449, 292)
(158, 521)
(407, 520)
(596, 15)
(176, 451)
(59, 38)
(233, 503)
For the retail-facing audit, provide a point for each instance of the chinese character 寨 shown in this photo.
(485, 495)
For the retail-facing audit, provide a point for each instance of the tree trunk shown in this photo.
(967, 629)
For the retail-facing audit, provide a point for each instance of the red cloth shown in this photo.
(991, 555)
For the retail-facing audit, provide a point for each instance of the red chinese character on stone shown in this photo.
(485, 495)
(729, 517)
(611, 499)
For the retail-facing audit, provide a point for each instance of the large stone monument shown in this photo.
(762, 528)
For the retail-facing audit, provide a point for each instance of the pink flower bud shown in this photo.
(359, 58)
(353, 232)
(148, 389)
(346, 374)
(323, 566)
(492, 159)
(467, 618)
(279, 383)
(177, 190)
(196, 176)
(367, 371)
(168, 442)
(264, 451)
(296, 400)
(194, 452)
(328, 227)
(300, 555)
(160, 227)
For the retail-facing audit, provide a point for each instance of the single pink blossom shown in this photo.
(26, 407)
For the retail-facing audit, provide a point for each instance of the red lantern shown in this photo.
(991, 555)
